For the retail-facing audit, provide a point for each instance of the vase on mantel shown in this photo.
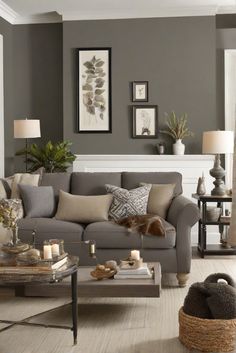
(178, 147)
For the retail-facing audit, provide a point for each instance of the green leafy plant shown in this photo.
(177, 127)
(54, 157)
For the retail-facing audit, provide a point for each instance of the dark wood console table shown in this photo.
(203, 247)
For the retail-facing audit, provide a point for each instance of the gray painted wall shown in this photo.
(32, 83)
(6, 30)
(176, 55)
(37, 67)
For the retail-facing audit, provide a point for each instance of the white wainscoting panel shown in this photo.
(190, 166)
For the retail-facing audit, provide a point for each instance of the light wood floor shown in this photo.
(107, 325)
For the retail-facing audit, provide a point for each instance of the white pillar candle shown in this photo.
(47, 252)
(135, 254)
(55, 250)
(92, 248)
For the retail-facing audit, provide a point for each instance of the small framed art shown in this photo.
(94, 90)
(140, 91)
(145, 121)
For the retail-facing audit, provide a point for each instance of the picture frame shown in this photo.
(94, 109)
(145, 121)
(140, 91)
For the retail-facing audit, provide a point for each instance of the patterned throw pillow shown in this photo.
(128, 202)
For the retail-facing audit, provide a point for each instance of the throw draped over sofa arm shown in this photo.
(183, 214)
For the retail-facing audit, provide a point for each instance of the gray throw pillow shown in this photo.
(128, 202)
(38, 201)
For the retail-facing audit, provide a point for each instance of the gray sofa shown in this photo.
(113, 241)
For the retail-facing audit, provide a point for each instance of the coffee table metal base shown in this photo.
(74, 305)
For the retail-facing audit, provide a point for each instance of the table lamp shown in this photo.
(27, 128)
(218, 142)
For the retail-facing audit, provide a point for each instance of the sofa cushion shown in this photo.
(49, 228)
(84, 209)
(59, 181)
(152, 242)
(93, 183)
(38, 201)
(109, 235)
(131, 180)
(128, 202)
(160, 198)
(25, 179)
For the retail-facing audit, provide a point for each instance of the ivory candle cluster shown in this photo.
(135, 254)
(50, 251)
(47, 252)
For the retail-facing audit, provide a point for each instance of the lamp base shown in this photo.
(218, 173)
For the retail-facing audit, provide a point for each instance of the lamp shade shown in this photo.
(218, 142)
(27, 128)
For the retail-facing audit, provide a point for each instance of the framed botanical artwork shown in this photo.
(140, 91)
(94, 90)
(145, 121)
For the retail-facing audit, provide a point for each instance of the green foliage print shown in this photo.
(93, 91)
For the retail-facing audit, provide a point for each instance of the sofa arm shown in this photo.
(183, 214)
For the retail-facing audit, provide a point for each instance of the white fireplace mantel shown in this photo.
(190, 166)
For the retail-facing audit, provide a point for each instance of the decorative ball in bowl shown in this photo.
(102, 272)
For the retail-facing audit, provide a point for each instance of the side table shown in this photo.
(203, 247)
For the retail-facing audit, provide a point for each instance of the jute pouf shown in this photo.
(207, 335)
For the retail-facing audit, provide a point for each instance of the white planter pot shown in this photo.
(178, 147)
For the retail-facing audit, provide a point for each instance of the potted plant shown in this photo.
(178, 130)
(54, 157)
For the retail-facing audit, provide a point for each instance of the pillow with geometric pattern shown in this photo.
(128, 202)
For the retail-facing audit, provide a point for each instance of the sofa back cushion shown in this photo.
(83, 183)
(131, 180)
(58, 181)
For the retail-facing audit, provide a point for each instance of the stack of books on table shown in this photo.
(136, 273)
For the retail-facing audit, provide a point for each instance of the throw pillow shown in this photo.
(128, 202)
(38, 201)
(3, 192)
(23, 178)
(160, 198)
(5, 187)
(84, 209)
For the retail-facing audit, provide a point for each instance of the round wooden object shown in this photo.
(102, 274)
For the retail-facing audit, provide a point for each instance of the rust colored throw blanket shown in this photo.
(144, 224)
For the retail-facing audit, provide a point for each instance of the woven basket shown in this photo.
(207, 335)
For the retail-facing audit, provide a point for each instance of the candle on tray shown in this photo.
(92, 248)
(47, 252)
(135, 254)
(55, 250)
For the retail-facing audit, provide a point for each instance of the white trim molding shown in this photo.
(90, 12)
(7, 12)
(139, 13)
(2, 154)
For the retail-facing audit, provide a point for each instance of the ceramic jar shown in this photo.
(178, 147)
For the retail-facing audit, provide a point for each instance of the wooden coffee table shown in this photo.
(113, 288)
